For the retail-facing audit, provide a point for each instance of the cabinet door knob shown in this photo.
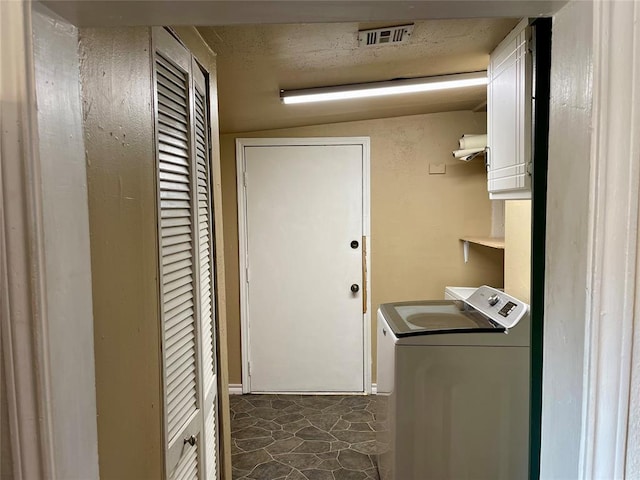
(355, 287)
(190, 440)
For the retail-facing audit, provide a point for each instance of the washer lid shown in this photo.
(436, 317)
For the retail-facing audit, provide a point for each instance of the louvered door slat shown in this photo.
(211, 445)
(178, 350)
(174, 326)
(187, 468)
(180, 398)
(182, 382)
(176, 249)
(167, 70)
(172, 92)
(175, 186)
(173, 127)
(170, 84)
(176, 262)
(178, 413)
(174, 138)
(173, 222)
(177, 237)
(173, 177)
(171, 116)
(177, 155)
(185, 206)
(178, 301)
(172, 108)
(171, 231)
(167, 165)
(175, 213)
(174, 235)
(177, 287)
(181, 416)
(172, 270)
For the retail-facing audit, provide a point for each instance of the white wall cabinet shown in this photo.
(509, 111)
(147, 122)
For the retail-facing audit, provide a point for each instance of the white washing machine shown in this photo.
(458, 293)
(453, 388)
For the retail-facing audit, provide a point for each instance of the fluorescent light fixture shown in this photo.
(378, 89)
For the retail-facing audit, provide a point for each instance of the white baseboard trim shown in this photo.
(236, 389)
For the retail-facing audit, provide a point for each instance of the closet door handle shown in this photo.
(190, 440)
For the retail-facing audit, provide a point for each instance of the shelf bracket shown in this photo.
(465, 250)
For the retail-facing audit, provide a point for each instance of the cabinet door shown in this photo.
(509, 117)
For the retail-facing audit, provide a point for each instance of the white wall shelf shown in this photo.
(491, 242)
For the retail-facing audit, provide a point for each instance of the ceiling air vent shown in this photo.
(385, 36)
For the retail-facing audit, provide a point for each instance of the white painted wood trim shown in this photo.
(242, 254)
(235, 389)
(241, 143)
(25, 334)
(366, 226)
(613, 287)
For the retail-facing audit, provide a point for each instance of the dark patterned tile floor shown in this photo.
(303, 437)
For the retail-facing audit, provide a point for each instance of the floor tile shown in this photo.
(304, 437)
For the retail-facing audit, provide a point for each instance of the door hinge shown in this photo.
(246, 273)
(249, 368)
(244, 178)
(530, 168)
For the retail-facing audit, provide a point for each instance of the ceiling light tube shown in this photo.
(378, 89)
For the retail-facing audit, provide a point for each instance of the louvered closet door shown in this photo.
(186, 265)
(206, 271)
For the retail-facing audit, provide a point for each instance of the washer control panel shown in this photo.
(498, 306)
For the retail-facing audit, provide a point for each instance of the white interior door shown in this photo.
(303, 209)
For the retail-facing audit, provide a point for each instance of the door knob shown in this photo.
(355, 288)
(355, 244)
(190, 440)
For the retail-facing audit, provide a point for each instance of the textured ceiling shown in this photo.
(256, 61)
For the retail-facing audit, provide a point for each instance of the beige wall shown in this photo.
(517, 249)
(6, 462)
(117, 104)
(416, 218)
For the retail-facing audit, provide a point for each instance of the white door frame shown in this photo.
(241, 143)
(23, 305)
(610, 442)
(46, 317)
